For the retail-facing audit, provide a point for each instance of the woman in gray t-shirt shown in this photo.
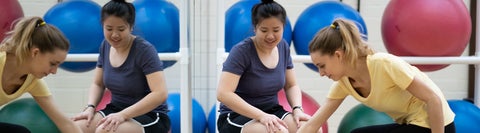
(255, 71)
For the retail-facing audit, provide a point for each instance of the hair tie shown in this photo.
(333, 26)
(41, 24)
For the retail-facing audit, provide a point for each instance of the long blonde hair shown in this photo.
(341, 35)
(33, 32)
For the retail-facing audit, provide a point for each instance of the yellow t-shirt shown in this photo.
(390, 76)
(32, 85)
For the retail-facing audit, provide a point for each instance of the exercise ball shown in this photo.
(106, 98)
(79, 20)
(426, 28)
(27, 113)
(309, 105)
(212, 119)
(238, 24)
(318, 16)
(361, 116)
(467, 116)
(199, 120)
(158, 22)
(10, 10)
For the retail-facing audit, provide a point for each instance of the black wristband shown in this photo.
(88, 106)
(297, 107)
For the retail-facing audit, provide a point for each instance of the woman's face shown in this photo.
(116, 31)
(269, 32)
(43, 64)
(330, 66)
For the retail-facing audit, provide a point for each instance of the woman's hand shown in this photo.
(111, 122)
(88, 114)
(272, 123)
(299, 115)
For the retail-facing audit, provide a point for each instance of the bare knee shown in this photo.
(128, 126)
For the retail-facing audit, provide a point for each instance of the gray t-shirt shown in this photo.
(258, 84)
(128, 82)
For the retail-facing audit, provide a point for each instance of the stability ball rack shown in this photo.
(182, 56)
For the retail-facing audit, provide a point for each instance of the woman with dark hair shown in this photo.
(256, 69)
(130, 68)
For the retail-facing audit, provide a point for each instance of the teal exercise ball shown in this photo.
(27, 113)
(361, 116)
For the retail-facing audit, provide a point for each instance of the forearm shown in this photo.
(147, 104)
(435, 115)
(294, 96)
(321, 116)
(240, 106)
(95, 94)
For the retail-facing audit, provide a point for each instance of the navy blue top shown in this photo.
(128, 82)
(258, 84)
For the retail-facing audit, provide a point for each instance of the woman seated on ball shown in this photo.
(31, 51)
(130, 68)
(255, 71)
(381, 81)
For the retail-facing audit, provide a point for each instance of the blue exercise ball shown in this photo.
(79, 20)
(317, 16)
(238, 24)
(158, 22)
(467, 116)
(27, 113)
(199, 120)
(212, 124)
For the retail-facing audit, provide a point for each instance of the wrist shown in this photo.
(298, 107)
(89, 106)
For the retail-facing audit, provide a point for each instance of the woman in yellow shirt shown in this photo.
(31, 51)
(381, 81)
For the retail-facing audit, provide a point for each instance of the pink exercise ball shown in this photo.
(309, 105)
(10, 10)
(107, 97)
(426, 28)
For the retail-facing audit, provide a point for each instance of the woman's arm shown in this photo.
(322, 115)
(294, 97)
(62, 122)
(95, 95)
(434, 105)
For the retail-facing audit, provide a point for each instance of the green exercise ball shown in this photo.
(27, 113)
(361, 116)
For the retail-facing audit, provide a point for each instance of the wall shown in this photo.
(70, 89)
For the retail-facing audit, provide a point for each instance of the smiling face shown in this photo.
(330, 66)
(42, 64)
(116, 31)
(269, 32)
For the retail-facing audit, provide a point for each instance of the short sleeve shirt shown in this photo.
(258, 85)
(390, 76)
(128, 82)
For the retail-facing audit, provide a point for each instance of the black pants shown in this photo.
(12, 128)
(400, 128)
